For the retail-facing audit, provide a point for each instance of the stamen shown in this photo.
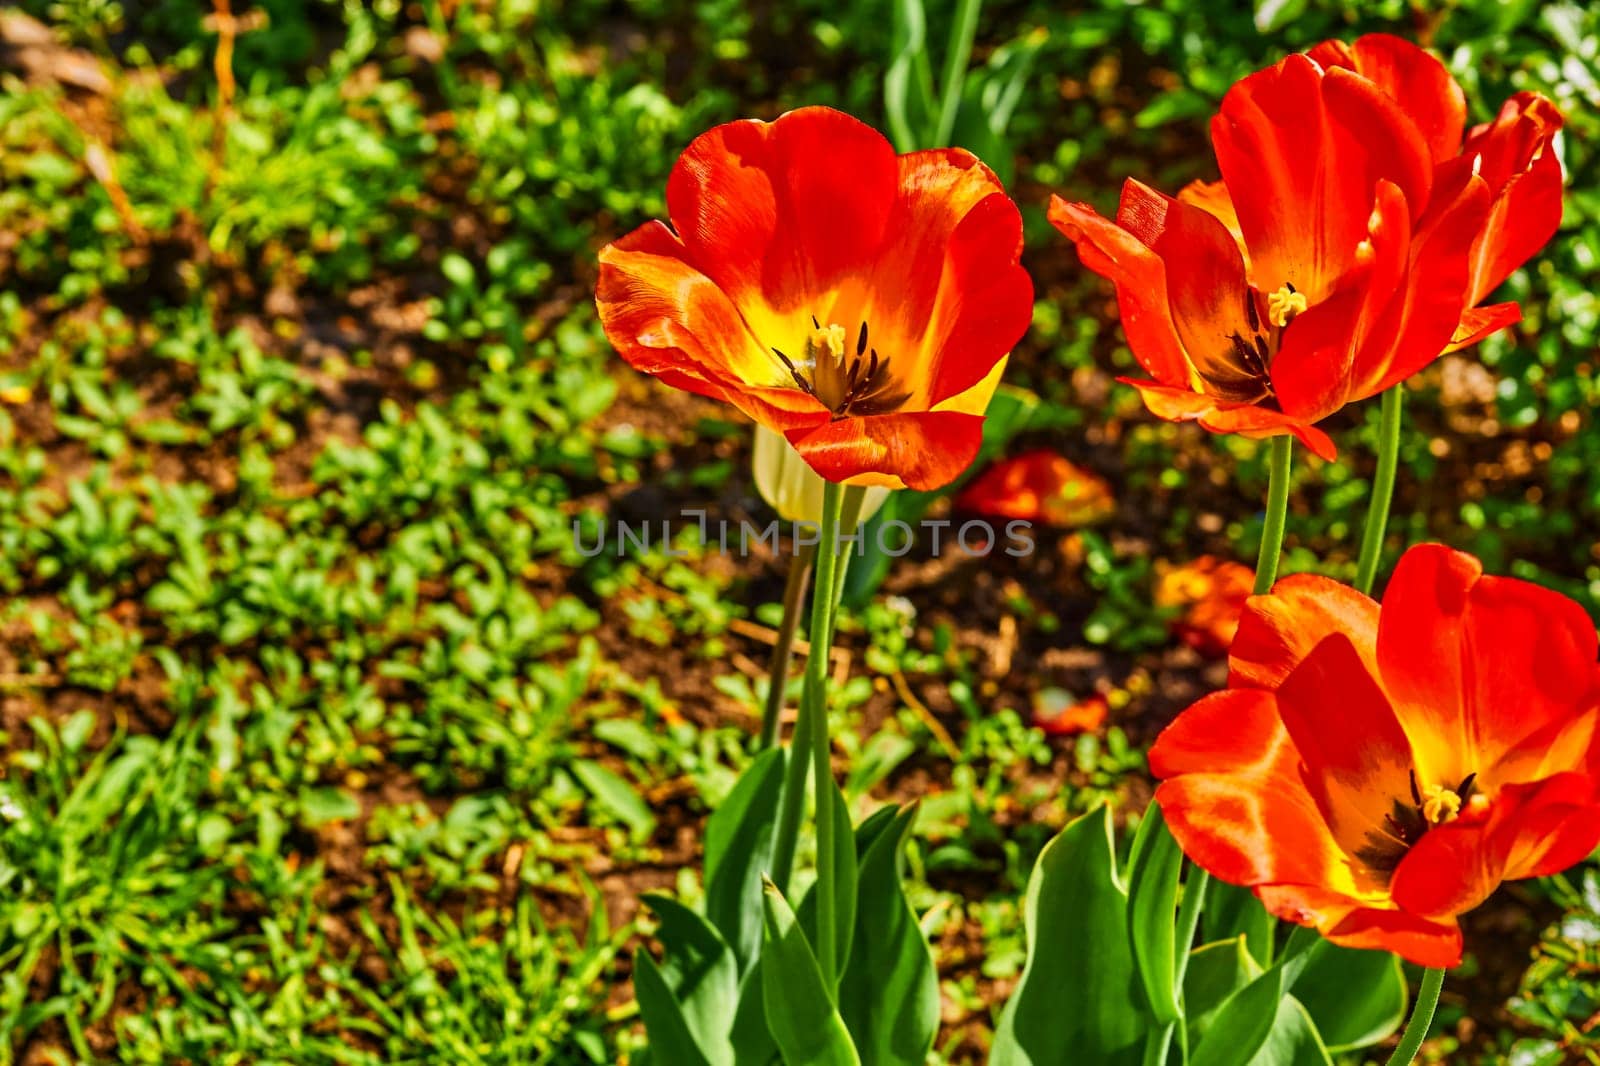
(1440, 805)
(1284, 304)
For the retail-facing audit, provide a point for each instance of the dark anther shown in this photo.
(1262, 351)
(861, 340)
(1250, 307)
(1467, 786)
(1416, 797)
(1290, 286)
(814, 323)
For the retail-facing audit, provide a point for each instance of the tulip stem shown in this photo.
(1277, 515)
(823, 611)
(1382, 490)
(794, 598)
(810, 749)
(1421, 1018)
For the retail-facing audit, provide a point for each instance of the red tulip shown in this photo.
(1348, 245)
(859, 303)
(1375, 772)
(1039, 486)
(1212, 593)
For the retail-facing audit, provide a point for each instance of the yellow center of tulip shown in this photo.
(1440, 805)
(848, 381)
(1284, 304)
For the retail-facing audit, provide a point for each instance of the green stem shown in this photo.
(1382, 490)
(957, 55)
(815, 704)
(1194, 886)
(811, 726)
(1277, 515)
(794, 598)
(1421, 1017)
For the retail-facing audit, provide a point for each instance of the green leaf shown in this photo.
(1241, 1025)
(458, 270)
(1079, 998)
(319, 806)
(908, 82)
(1153, 868)
(890, 993)
(664, 1023)
(739, 852)
(1356, 998)
(845, 875)
(1274, 15)
(702, 974)
(800, 1012)
(616, 796)
(752, 1040)
(1233, 911)
(1292, 1040)
(1215, 972)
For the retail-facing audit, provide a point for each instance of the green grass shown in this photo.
(322, 742)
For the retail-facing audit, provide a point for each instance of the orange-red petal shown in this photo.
(1279, 629)
(1412, 77)
(1514, 155)
(1357, 757)
(950, 272)
(1351, 923)
(1302, 151)
(667, 319)
(1233, 796)
(779, 212)
(1177, 404)
(1477, 664)
(1141, 282)
(922, 450)
(1479, 322)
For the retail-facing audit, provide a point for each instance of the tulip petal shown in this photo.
(779, 213)
(1479, 322)
(1413, 78)
(1233, 797)
(1176, 404)
(1515, 156)
(1533, 830)
(1350, 923)
(1141, 282)
(951, 276)
(1302, 153)
(1357, 758)
(1212, 305)
(921, 450)
(1434, 294)
(1279, 629)
(1477, 664)
(667, 319)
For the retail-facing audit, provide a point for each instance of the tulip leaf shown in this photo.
(1241, 1025)
(739, 852)
(1215, 972)
(701, 973)
(800, 1011)
(1292, 1040)
(1079, 998)
(1153, 868)
(844, 884)
(1231, 911)
(1355, 997)
(751, 1039)
(664, 1023)
(889, 996)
